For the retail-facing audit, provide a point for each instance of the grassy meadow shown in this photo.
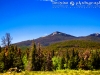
(58, 72)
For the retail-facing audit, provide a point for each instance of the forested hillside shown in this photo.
(74, 44)
(74, 54)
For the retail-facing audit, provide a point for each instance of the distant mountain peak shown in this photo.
(95, 34)
(57, 32)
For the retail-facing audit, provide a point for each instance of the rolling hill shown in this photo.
(73, 44)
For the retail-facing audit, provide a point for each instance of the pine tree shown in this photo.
(62, 62)
(9, 57)
(49, 63)
(96, 60)
(6, 59)
(31, 61)
(18, 59)
(39, 58)
(67, 58)
(73, 60)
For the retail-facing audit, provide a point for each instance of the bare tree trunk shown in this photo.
(6, 40)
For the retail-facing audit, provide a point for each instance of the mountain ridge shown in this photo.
(58, 37)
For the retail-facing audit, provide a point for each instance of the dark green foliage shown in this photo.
(76, 44)
(10, 57)
(95, 59)
(77, 54)
(74, 54)
(1, 61)
(71, 61)
(36, 59)
(1, 66)
(62, 62)
(18, 59)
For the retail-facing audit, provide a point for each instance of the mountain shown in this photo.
(58, 37)
(95, 35)
(92, 37)
(52, 38)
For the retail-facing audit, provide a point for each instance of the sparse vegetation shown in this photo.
(58, 72)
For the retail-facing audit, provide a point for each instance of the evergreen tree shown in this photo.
(39, 58)
(91, 60)
(96, 59)
(62, 62)
(6, 59)
(31, 60)
(73, 60)
(76, 59)
(49, 63)
(18, 59)
(11, 55)
(67, 58)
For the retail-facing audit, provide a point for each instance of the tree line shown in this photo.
(36, 58)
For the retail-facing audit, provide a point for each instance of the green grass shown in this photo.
(58, 72)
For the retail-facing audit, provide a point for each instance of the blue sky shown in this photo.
(31, 19)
